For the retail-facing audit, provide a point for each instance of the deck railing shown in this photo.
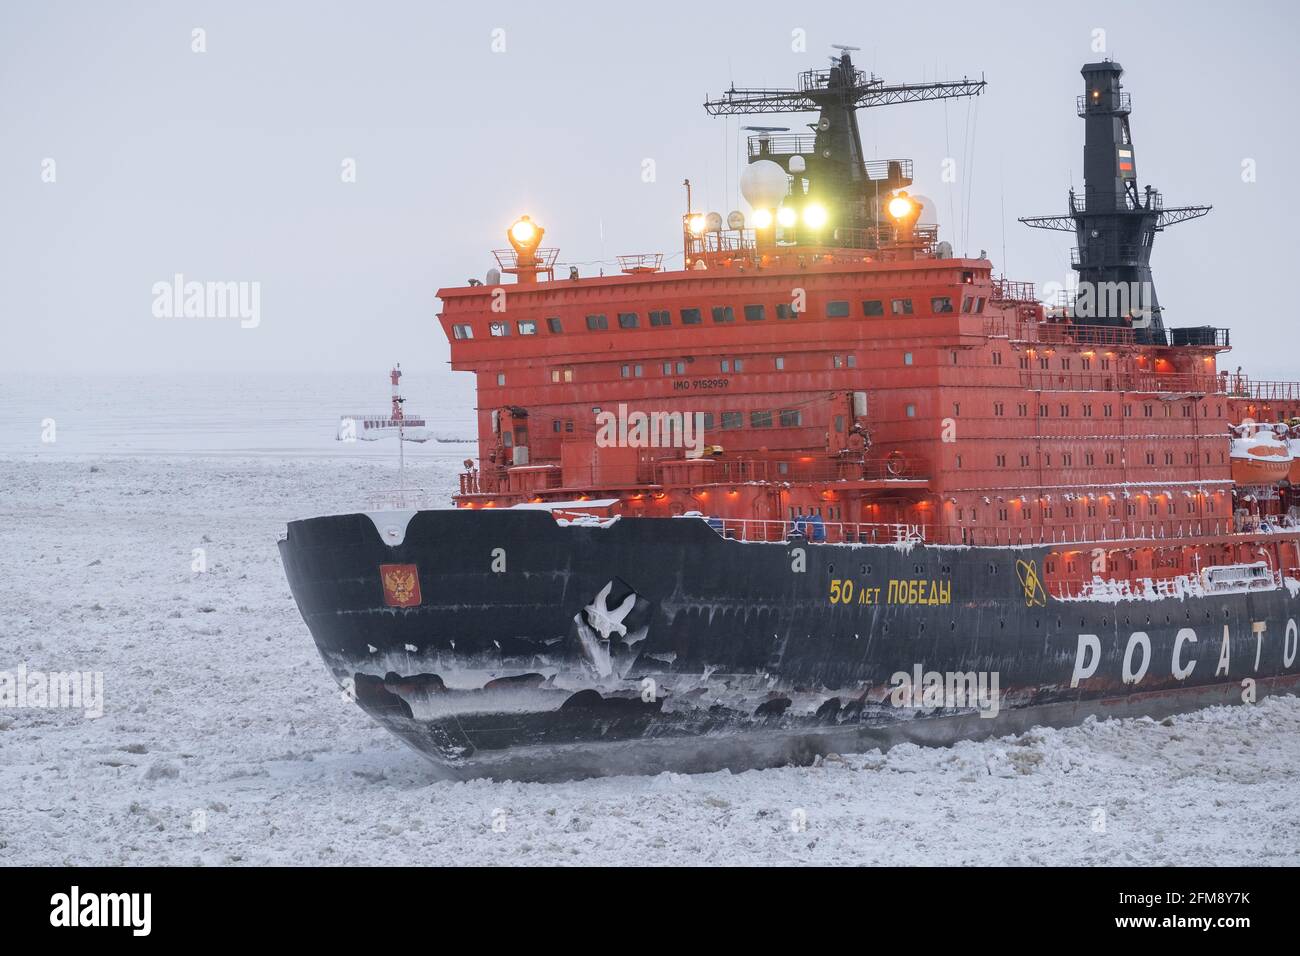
(1094, 533)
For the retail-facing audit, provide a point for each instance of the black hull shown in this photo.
(707, 653)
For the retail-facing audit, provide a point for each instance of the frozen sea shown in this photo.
(224, 741)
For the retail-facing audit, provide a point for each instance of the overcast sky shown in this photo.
(228, 164)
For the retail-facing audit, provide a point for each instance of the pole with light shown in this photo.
(905, 210)
(525, 236)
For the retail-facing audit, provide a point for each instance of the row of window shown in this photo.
(1089, 458)
(1045, 362)
(729, 366)
(1112, 510)
(1088, 409)
(721, 315)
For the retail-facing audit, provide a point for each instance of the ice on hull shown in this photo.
(515, 647)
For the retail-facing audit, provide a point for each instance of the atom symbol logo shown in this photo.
(1028, 574)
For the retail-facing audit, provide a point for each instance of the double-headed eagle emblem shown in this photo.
(401, 584)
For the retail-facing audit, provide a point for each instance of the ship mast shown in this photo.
(830, 165)
(1115, 222)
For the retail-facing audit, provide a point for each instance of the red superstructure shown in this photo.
(867, 384)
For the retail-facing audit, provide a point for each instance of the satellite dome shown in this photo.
(713, 222)
(735, 219)
(797, 164)
(763, 184)
(929, 210)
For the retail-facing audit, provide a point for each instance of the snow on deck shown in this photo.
(224, 740)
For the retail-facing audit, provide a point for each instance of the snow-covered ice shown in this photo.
(224, 740)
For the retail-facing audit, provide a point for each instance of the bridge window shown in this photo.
(779, 361)
(660, 317)
(760, 419)
(554, 325)
(462, 331)
(627, 320)
(791, 418)
(690, 316)
(901, 306)
(724, 313)
(708, 421)
(595, 322)
(732, 420)
(967, 303)
(526, 327)
(873, 307)
(786, 311)
(941, 304)
(499, 329)
(561, 375)
(755, 313)
(839, 309)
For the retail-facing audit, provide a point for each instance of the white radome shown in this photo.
(763, 184)
(929, 210)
